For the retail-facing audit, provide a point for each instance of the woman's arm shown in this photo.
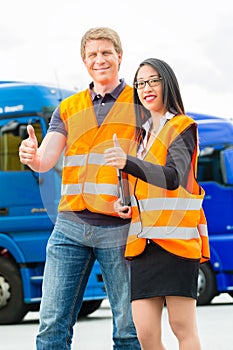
(178, 162)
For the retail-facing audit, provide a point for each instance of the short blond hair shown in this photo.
(101, 33)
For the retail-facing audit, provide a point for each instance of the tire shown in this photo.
(88, 307)
(12, 306)
(206, 285)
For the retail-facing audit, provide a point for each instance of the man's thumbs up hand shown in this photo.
(28, 147)
(32, 136)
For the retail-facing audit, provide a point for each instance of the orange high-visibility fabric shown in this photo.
(86, 181)
(173, 219)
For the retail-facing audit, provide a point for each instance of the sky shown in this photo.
(40, 42)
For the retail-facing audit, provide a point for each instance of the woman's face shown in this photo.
(150, 96)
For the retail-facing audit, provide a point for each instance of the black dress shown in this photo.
(156, 272)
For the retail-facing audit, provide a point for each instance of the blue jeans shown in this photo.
(71, 253)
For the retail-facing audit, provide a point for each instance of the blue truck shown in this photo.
(28, 204)
(215, 174)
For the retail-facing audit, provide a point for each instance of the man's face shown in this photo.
(102, 61)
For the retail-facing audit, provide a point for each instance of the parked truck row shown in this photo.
(28, 204)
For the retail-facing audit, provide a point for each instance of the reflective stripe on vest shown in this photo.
(82, 159)
(87, 187)
(90, 187)
(203, 231)
(74, 160)
(163, 232)
(170, 204)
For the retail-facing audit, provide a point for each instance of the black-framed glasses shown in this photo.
(140, 84)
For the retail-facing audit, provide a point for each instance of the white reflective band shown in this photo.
(135, 228)
(169, 232)
(163, 232)
(202, 228)
(80, 159)
(96, 158)
(93, 188)
(76, 160)
(90, 187)
(170, 204)
(71, 189)
(133, 201)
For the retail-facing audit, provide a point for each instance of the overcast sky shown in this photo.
(40, 42)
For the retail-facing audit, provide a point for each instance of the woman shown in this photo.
(168, 234)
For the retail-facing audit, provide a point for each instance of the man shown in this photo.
(87, 227)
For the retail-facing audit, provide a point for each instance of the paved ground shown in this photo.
(94, 332)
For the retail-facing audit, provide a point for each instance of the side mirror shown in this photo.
(226, 159)
(11, 128)
(23, 131)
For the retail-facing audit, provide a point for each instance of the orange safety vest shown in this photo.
(174, 219)
(86, 181)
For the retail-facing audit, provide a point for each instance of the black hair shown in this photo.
(172, 99)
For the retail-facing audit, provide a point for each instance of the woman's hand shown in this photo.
(124, 211)
(115, 156)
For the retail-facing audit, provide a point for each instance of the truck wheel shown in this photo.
(88, 307)
(12, 307)
(206, 285)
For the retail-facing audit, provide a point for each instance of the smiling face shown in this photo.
(102, 62)
(151, 97)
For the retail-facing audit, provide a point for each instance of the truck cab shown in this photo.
(28, 204)
(215, 175)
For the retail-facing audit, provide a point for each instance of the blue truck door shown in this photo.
(21, 207)
(218, 204)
